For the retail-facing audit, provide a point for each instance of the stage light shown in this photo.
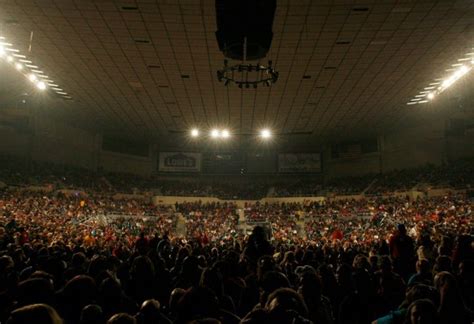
(19, 66)
(32, 77)
(215, 133)
(431, 95)
(265, 133)
(225, 133)
(194, 132)
(41, 85)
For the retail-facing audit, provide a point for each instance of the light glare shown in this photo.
(225, 133)
(215, 133)
(431, 95)
(41, 85)
(10, 58)
(19, 66)
(194, 132)
(265, 133)
(32, 77)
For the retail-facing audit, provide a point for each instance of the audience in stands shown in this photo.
(90, 257)
(20, 172)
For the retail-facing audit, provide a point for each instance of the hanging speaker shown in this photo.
(244, 28)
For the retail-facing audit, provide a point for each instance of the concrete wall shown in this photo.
(414, 146)
(122, 163)
(14, 142)
(49, 140)
(356, 166)
(171, 200)
(61, 143)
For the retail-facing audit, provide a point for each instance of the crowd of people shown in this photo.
(281, 218)
(20, 172)
(88, 256)
(210, 222)
(74, 259)
(221, 189)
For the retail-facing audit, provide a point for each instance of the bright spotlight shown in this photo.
(194, 132)
(32, 77)
(215, 133)
(10, 58)
(2, 51)
(462, 70)
(225, 133)
(19, 66)
(41, 85)
(265, 133)
(430, 95)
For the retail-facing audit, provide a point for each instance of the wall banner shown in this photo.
(179, 162)
(299, 162)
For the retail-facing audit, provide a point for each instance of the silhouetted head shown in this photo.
(401, 229)
(122, 318)
(421, 311)
(36, 313)
(92, 314)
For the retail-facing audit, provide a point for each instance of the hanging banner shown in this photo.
(179, 162)
(299, 162)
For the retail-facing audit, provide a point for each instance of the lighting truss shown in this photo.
(31, 72)
(458, 70)
(247, 75)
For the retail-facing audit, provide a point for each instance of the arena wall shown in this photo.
(171, 200)
(353, 166)
(458, 147)
(414, 146)
(123, 163)
(425, 140)
(61, 143)
(14, 142)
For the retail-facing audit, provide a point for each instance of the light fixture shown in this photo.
(194, 132)
(215, 133)
(41, 85)
(460, 72)
(225, 133)
(265, 133)
(247, 75)
(26, 67)
(441, 84)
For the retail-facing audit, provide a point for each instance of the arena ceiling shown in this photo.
(148, 67)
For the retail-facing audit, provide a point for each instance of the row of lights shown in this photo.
(23, 65)
(225, 133)
(458, 70)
